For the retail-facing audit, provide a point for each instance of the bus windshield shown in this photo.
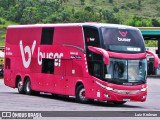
(123, 40)
(126, 72)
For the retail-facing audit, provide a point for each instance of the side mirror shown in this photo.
(156, 59)
(101, 52)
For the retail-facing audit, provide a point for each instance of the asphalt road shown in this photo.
(11, 100)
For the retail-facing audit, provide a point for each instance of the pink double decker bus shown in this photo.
(106, 62)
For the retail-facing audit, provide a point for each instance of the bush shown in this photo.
(155, 23)
(115, 9)
(151, 43)
(2, 22)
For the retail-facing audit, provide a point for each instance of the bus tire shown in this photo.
(20, 86)
(27, 87)
(80, 95)
(54, 95)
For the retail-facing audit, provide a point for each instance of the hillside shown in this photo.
(3, 24)
(129, 12)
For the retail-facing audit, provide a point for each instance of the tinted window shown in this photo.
(91, 36)
(123, 40)
(48, 66)
(94, 60)
(95, 68)
(47, 36)
(7, 63)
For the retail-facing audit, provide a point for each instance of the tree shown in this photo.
(89, 9)
(93, 0)
(115, 9)
(155, 23)
(82, 2)
(139, 2)
(29, 15)
(110, 1)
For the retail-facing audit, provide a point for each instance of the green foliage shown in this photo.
(93, 0)
(140, 22)
(139, 2)
(115, 9)
(151, 43)
(82, 2)
(3, 24)
(139, 13)
(156, 23)
(2, 21)
(110, 1)
(56, 11)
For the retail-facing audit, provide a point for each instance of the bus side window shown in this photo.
(48, 66)
(7, 63)
(91, 36)
(95, 68)
(47, 36)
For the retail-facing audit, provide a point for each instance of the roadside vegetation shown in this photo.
(138, 13)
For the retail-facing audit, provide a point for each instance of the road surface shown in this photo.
(10, 100)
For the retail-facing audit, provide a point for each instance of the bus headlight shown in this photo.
(105, 87)
(108, 88)
(143, 89)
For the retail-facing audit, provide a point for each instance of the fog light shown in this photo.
(143, 97)
(107, 95)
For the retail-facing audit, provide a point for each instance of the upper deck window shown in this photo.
(47, 36)
(123, 40)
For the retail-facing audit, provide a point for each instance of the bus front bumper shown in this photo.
(126, 96)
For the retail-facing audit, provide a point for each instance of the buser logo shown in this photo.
(27, 53)
(123, 39)
(123, 34)
(27, 50)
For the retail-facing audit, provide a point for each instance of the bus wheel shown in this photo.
(54, 95)
(20, 86)
(80, 95)
(27, 87)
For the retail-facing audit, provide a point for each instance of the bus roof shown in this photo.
(94, 24)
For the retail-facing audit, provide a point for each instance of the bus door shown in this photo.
(61, 73)
(67, 77)
(46, 79)
(94, 61)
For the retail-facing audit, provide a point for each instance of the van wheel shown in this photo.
(27, 87)
(20, 86)
(80, 95)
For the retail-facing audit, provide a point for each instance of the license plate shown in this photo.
(126, 99)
